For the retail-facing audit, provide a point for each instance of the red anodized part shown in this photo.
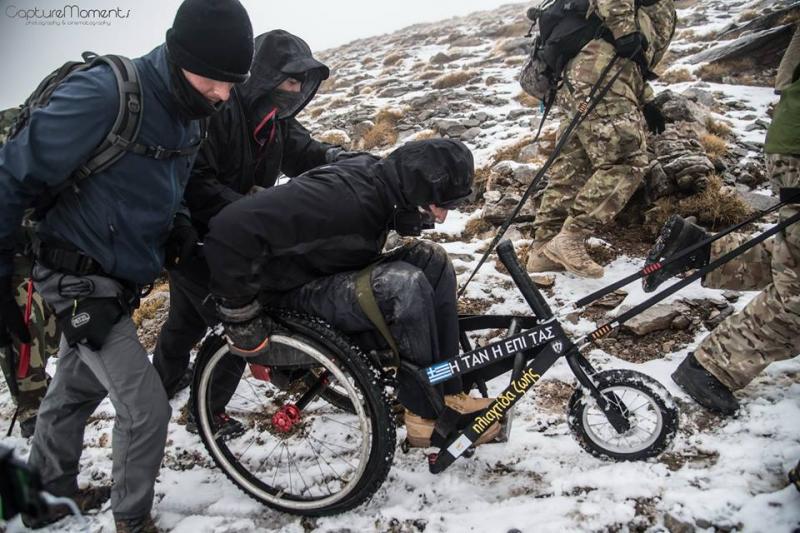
(286, 417)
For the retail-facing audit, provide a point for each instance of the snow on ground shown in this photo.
(718, 474)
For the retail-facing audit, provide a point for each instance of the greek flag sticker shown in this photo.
(439, 373)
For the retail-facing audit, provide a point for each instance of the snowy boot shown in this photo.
(538, 262)
(704, 387)
(144, 524)
(419, 430)
(677, 234)
(569, 249)
(86, 499)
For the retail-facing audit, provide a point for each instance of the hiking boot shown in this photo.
(794, 476)
(419, 430)
(223, 425)
(144, 524)
(86, 500)
(538, 262)
(677, 234)
(27, 426)
(704, 387)
(569, 249)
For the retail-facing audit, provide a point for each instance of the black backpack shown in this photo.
(120, 139)
(564, 29)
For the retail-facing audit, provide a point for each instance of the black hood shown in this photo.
(435, 171)
(279, 55)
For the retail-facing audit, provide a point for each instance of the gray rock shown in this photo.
(516, 113)
(700, 96)
(752, 45)
(657, 318)
(731, 296)
(441, 58)
(674, 525)
(717, 316)
(528, 152)
(470, 134)
(514, 46)
(480, 116)
(758, 202)
(680, 323)
(499, 206)
(391, 92)
(677, 108)
(511, 174)
(471, 123)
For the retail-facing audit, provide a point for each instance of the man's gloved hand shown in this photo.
(337, 153)
(630, 45)
(11, 321)
(181, 244)
(246, 328)
(656, 122)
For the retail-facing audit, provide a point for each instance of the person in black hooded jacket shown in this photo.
(251, 141)
(303, 245)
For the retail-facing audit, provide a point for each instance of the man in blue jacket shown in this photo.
(103, 240)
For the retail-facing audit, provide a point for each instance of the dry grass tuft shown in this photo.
(426, 134)
(747, 15)
(429, 74)
(740, 71)
(393, 59)
(516, 29)
(391, 115)
(453, 79)
(714, 146)
(511, 152)
(713, 208)
(475, 227)
(383, 133)
(368, 61)
(718, 128)
(327, 85)
(315, 112)
(148, 309)
(676, 76)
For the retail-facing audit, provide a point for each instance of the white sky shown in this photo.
(29, 51)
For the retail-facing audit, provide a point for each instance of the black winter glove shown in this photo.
(11, 321)
(247, 329)
(181, 244)
(338, 153)
(656, 122)
(630, 45)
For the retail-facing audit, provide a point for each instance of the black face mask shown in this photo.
(411, 222)
(287, 102)
(191, 104)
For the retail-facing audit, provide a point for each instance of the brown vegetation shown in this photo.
(381, 134)
(714, 146)
(718, 128)
(527, 100)
(676, 76)
(739, 71)
(453, 79)
(393, 59)
(515, 29)
(429, 74)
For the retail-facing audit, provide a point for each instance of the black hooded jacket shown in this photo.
(233, 159)
(334, 218)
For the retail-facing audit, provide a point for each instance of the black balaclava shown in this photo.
(191, 104)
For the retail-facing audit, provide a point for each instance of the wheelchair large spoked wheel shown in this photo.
(300, 452)
(646, 404)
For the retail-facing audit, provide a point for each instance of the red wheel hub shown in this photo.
(286, 418)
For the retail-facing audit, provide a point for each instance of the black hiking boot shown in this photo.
(794, 476)
(185, 381)
(86, 500)
(27, 426)
(224, 426)
(704, 387)
(144, 524)
(677, 234)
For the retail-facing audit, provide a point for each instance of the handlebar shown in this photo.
(505, 250)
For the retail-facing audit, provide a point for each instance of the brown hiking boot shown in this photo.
(86, 500)
(419, 430)
(144, 524)
(569, 249)
(538, 262)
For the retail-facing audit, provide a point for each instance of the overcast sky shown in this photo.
(28, 51)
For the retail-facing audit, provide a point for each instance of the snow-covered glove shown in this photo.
(337, 153)
(181, 244)
(247, 329)
(11, 321)
(656, 122)
(631, 45)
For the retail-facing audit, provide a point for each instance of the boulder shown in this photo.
(499, 206)
(757, 46)
(657, 318)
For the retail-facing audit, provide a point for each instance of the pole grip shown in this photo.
(505, 250)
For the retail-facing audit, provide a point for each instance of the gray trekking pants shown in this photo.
(84, 377)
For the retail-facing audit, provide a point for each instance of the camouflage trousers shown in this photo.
(599, 168)
(44, 344)
(767, 329)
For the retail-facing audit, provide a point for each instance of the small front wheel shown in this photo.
(649, 408)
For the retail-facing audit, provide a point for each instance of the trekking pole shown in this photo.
(655, 267)
(584, 109)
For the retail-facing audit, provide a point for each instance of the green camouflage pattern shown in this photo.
(598, 170)
(604, 162)
(7, 118)
(766, 330)
(751, 271)
(45, 338)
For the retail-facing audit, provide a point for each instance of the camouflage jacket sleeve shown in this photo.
(618, 15)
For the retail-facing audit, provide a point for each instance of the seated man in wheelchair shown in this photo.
(315, 245)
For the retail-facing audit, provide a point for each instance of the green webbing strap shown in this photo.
(366, 299)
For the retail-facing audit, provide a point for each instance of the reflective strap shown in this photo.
(366, 299)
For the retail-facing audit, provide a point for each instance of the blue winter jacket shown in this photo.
(120, 217)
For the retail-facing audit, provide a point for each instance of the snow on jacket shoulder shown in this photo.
(120, 217)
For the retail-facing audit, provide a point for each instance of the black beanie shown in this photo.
(212, 38)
